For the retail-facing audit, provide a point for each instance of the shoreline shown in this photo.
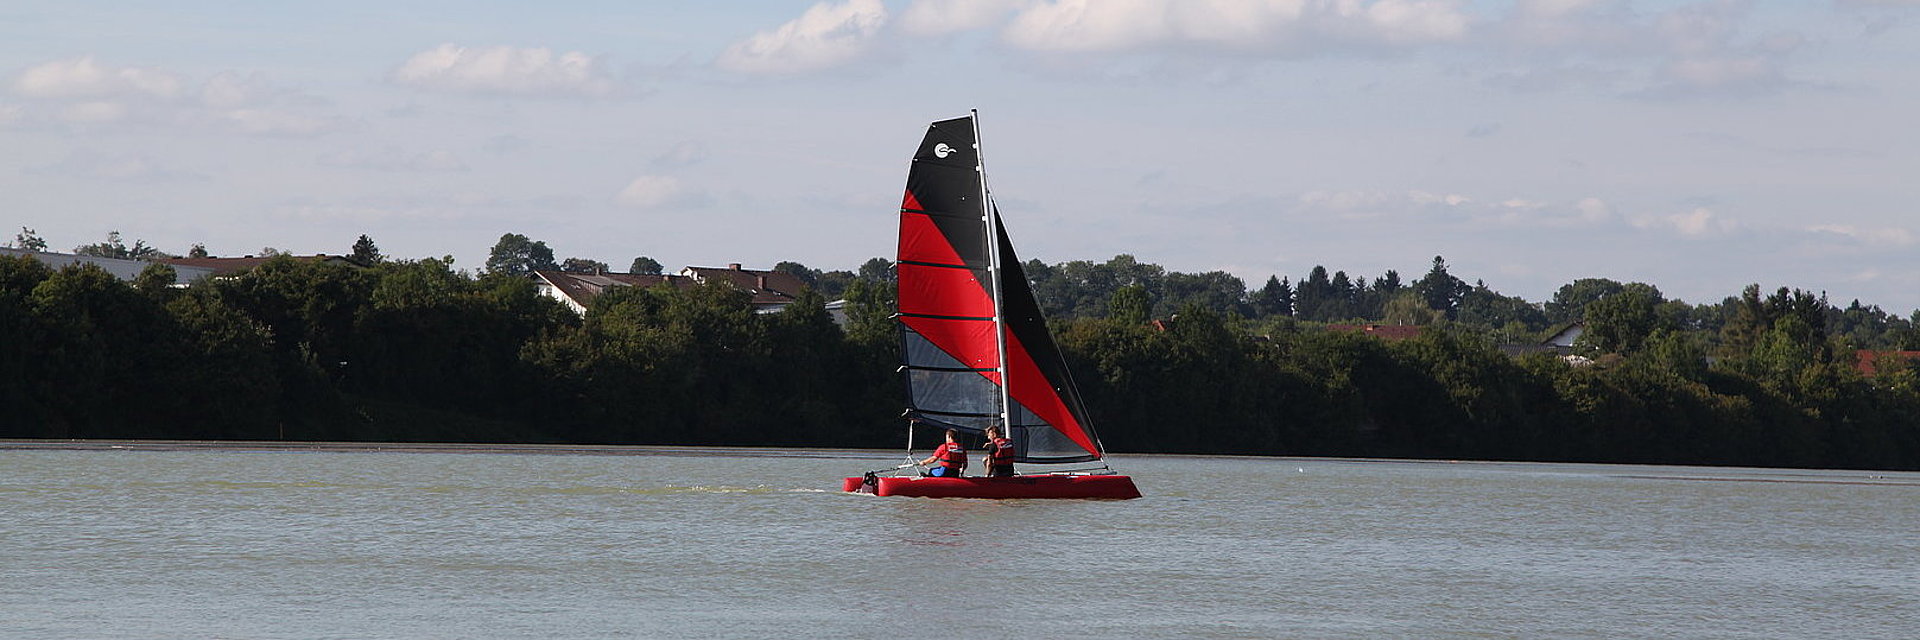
(424, 447)
(1792, 475)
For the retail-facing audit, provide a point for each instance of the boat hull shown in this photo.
(1111, 487)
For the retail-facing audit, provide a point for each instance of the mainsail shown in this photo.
(976, 349)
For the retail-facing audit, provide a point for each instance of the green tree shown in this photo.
(1273, 299)
(197, 251)
(1312, 295)
(1407, 307)
(29, 240)
(584, 265)
(1681, 353)
(114, 248)
(644, 266)
(876, 270)
(870, 308)
(1570, 302)
(1440, 290)
(806, 275)
(516, 255)
(1130, 305)
(24, 408)
(112, 350)
(232, 385)
(1621, 322)
(1482, 306)
(1215, 290)
(365, 252)
(156, 280)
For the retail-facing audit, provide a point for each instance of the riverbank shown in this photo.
(426, 447)
(1624, 471)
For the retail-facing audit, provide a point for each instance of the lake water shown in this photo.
(681, 543)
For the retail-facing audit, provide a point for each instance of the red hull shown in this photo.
(1044, 486)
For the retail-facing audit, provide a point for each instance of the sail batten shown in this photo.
(976, 349)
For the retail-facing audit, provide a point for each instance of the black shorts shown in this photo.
(1000, 472)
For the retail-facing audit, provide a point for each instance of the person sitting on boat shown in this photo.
(952, 458)
(999, 454)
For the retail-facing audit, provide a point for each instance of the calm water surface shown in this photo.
(739, 543)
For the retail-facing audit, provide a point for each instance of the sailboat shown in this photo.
(974, 346)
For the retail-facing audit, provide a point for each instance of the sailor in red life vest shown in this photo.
(999, 454)
(951, 456)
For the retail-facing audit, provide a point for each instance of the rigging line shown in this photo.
(955, 414)
(991, 216)
(909, 367)
(930, 316)
(939, 265)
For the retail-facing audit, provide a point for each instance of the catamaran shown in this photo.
(975, 348)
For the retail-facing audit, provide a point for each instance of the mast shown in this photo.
(993, 271)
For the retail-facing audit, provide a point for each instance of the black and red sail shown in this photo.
(950, 321)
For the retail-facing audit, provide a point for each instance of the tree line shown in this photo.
(416, 350)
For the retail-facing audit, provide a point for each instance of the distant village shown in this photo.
(771, 290)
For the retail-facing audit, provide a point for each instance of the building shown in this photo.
(1870, 362)
(1387, 332)
(577, 290)
(224, 267)
(771, 290)
(120, 268)
(1562, 341)
(1559, 343)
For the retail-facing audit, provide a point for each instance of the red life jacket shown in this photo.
(952, 456)
(1001, 454)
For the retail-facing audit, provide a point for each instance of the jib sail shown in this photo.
(976, 349)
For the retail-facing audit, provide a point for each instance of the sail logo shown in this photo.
(942, 150)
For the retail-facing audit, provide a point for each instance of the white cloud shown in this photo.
(1557, 8)
(1128, 25)
(84, 78)
(942, 17)
(1699, 222)
(1593, 210)
(684, 154)
(825, 36)
(1346, 201)
(505, 70)
(81, 92)
(647, 192)
(1449, 199)
(1884, 237)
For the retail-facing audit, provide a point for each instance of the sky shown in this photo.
(1699, 146)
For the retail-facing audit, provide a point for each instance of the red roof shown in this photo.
(767, 287)
(1388, 332)
(582, 288)
(1867, 361)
